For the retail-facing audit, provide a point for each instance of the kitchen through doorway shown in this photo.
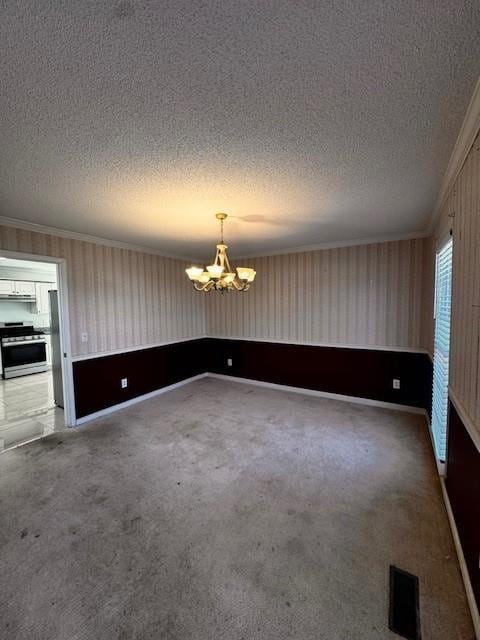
(31, 386)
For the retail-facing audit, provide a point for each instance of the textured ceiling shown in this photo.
(309, 122)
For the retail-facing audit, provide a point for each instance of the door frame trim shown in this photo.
(64, 318)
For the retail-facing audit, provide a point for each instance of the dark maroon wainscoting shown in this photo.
(365, 373)
(463, 487)
(355, 372)
(97, 380)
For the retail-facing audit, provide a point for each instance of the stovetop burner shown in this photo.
(18, 329)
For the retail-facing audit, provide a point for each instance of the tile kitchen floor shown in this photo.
(27, 409)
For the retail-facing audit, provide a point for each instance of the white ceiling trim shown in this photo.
(468, 132)
(84, 237)
(336, 245)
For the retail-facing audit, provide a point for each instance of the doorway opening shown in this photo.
(441, 355)
(31, 353)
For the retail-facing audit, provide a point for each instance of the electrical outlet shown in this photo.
(229, 362)
(396, 383)
(124, 383)
(84, 337)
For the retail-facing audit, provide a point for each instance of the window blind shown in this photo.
(443, 297)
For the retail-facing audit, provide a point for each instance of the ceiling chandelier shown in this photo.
(219, 275)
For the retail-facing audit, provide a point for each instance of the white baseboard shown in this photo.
(258, 383)
(441, 468)
(269, 385)
(132, 401)
(321, 394)
(461, 560)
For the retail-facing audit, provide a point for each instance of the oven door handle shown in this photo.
(19, 343)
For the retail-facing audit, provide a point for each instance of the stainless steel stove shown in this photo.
(23, 349)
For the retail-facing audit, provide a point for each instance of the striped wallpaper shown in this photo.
(366, 295)
(462, 211)
(428, 295)
(121, 298)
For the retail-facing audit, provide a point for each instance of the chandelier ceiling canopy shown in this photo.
(220, 276)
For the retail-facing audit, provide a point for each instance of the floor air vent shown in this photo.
(404, 615)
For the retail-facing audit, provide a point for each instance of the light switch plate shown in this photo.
(124, 383)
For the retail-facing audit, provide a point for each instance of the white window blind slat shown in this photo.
(443, 296)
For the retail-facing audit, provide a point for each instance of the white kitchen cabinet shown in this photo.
(24, 288)
(7, 287)
(42, 302)
(17, 288)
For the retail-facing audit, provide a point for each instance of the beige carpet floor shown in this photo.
(223, 511)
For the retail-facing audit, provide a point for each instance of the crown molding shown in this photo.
(336, 245)
(468, 132)
(85, 237)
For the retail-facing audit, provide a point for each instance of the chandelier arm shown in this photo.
(227, 262)
(239, 285)
(204, 287)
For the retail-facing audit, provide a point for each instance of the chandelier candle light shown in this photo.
(219, 276)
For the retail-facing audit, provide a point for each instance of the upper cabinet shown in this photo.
(34, 292)
(24, 288)
(13, 288)
(7, 287)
